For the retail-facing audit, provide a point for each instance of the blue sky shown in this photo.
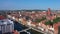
(29, 4)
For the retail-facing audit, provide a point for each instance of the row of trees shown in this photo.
(49, 22)
(39, 20)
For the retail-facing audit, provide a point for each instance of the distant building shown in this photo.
(48, 12)
(50, 15)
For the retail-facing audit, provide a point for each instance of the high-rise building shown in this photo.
(6, 26)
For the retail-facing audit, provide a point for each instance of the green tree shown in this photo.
(56, 20)
(39, 20)
(49, 23)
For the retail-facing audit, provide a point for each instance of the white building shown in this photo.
(29, 23)
(6, 26)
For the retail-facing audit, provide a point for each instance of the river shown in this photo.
(19, 27)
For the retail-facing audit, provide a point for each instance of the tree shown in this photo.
(49, 23)
(56, 20)
(39, 20)
(43, 18)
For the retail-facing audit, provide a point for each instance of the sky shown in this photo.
(29, 4)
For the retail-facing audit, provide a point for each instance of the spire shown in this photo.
(49, 12)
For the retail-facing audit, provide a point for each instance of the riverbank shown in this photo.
(19, 27)
(34, 32)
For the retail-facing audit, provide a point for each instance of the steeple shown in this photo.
(49, 12)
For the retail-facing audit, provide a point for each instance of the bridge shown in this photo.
(25, 29)
(35, 30)
(41, 31)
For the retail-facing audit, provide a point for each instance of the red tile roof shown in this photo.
(34, 23)
(2, 17)
(15, 32)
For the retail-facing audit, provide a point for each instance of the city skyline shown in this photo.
(29, 4)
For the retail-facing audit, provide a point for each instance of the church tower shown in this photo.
(49, 12)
